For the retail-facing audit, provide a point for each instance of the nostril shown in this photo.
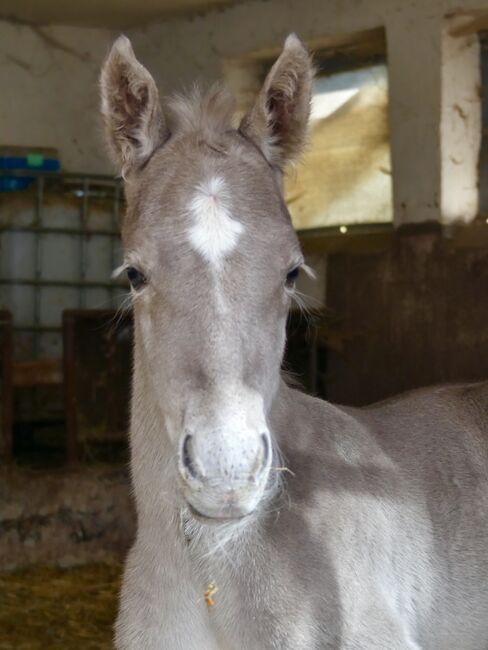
(266, 450)
(186, 456)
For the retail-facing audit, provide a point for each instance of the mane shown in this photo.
(208, 113)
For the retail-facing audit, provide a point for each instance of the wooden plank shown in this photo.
(413, 315)
(97, 376)
(6, 392)
(375, 239)
(41, 372)
(465, 24)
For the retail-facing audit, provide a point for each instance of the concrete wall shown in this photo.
(49, 95)
(51, 79)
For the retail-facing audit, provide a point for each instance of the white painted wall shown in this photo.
(49, 80)
(49, 96)
(180, 51)
(460, 126)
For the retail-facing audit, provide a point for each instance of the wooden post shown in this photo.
(6, 392)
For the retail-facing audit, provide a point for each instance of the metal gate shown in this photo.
(59, 242)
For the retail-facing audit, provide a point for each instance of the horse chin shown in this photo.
(216, 511)
(219, 517)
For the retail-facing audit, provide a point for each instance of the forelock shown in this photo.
(206, 113)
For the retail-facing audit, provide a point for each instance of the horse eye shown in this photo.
(136, 278)
(292, 276)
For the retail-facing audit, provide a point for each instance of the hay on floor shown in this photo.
(58, 609)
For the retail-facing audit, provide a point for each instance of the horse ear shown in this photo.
(278, 121)
(131, 108)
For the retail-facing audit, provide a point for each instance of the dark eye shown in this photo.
(136, 278)
(292, 276)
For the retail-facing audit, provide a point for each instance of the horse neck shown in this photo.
(299, 420)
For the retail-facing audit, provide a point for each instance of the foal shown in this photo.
(376, 538)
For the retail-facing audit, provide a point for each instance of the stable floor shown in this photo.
(58, 609)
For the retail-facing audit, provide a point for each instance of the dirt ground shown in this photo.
(58, 609)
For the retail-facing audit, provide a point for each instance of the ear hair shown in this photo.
(134, 121)
(278, 121)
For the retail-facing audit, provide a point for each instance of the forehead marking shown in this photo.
(214, 234)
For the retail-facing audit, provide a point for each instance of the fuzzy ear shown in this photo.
(278, 121)
(131, 108)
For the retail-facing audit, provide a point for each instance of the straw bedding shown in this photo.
(58, 609)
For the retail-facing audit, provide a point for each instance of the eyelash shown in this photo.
(138, 280)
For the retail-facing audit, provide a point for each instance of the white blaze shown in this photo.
(214, 233)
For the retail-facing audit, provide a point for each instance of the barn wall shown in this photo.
(51, 75)
(432, 118)
(180, 51)
(49, 95)
(410, 315)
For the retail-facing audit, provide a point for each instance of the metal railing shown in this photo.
(83, 187)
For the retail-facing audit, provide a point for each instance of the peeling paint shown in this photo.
(52, 77)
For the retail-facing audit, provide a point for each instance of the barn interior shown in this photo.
(390, 202)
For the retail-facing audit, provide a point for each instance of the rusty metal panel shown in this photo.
(97, 374)
(413, 315)
(6, 393)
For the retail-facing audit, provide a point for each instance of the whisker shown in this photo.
(122, 309)
(283, 469)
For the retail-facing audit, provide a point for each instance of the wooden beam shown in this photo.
(43, 372)
(466, 24)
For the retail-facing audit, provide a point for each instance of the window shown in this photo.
(483, 159)
(344, 177)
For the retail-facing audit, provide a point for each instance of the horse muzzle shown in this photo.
(224, 477)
